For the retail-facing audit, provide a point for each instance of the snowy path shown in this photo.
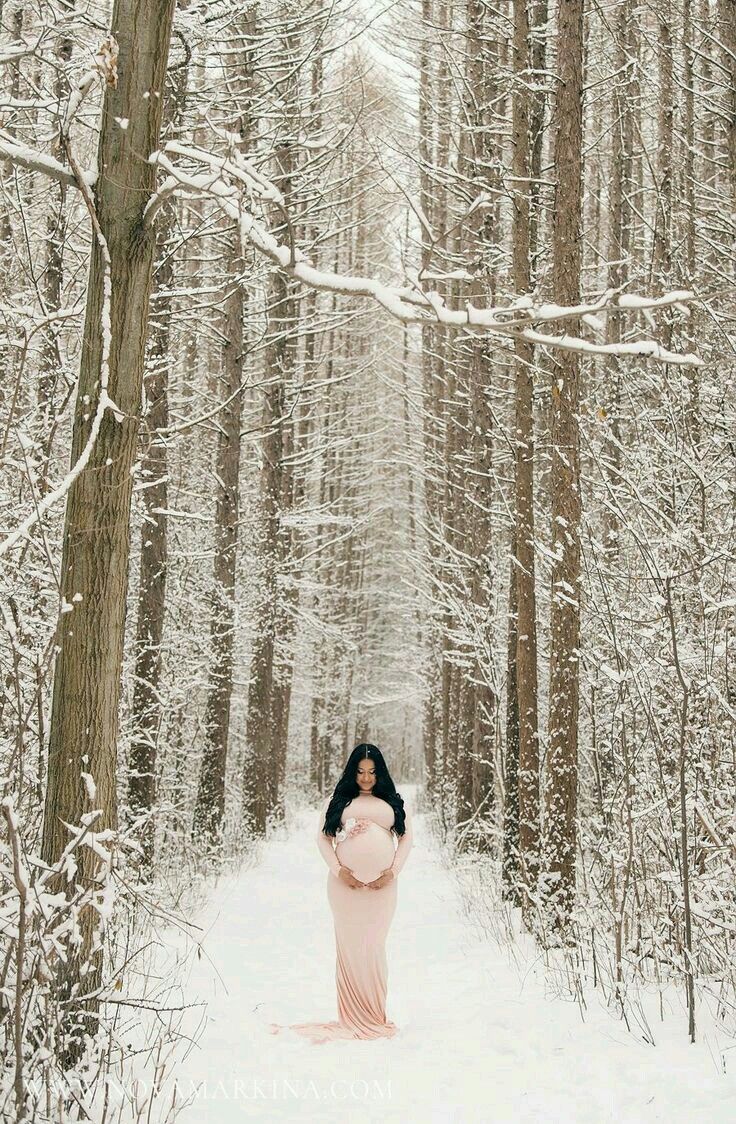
(479, 1041)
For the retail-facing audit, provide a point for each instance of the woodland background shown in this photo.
(319, 510)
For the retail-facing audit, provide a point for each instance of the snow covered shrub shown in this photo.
(63, 1039)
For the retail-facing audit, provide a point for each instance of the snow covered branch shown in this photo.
(105, 68)
(39, 162)
(410, 304)
(228, 177)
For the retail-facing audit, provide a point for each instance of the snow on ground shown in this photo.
(480, 1040)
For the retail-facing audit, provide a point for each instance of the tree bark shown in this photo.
(619, 220)
(94, 570)
(210, 806)
(154, 474)
(562, 760)
(525, 656)
(146, 715)
(260, 722)
(209, 810)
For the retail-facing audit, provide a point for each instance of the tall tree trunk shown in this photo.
(662, 240)
(525, 656)
(619, 222)
(287, 568)
(146, 717)
(210, 805)
(261, 732)
(430, 424)
(154, 474)
(209, 808)
(443, 380)
(562, 761)
(94, 570)
(477, 164)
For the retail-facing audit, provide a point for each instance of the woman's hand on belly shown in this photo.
(347, 876)
(384, 878)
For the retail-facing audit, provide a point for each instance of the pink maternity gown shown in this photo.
(362, 917)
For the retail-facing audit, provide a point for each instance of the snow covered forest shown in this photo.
(366, 375)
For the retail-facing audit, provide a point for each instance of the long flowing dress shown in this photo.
(362, 917)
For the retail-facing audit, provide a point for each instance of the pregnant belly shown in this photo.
(367, 853)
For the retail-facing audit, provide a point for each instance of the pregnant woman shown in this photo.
(363, 815)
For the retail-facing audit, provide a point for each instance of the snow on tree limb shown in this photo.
(410, 304)
(234, 163)
(39, 162)
(105, 67)
(413, 304)
(646, 349)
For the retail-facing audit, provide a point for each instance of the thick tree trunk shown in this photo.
(94, 570)
(477, 165)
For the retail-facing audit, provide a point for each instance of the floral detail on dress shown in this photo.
(352, 827)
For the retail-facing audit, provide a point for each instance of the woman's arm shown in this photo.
(406, 842)
(324, 842)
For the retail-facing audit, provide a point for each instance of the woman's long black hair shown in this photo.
(347, 789)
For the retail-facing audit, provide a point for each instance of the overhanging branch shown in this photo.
(234, 182)
(409, 304)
